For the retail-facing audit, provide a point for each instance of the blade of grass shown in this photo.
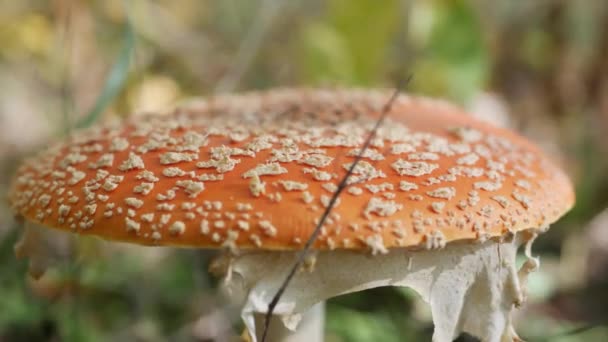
(116, 78)
(67, 101)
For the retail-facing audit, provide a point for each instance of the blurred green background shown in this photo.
(539, 67)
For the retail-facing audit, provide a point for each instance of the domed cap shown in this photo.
(256, 171)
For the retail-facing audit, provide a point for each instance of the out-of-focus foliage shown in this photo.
(540, 67)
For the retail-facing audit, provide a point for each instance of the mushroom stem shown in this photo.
(309, 329)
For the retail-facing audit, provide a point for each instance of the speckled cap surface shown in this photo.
(256, 170)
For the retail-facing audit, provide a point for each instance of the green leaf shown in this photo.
(455, 61)
(351, 42)
(354, 326)
(326, 56)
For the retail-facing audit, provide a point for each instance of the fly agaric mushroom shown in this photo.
(440, 202)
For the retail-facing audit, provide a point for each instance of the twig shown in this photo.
(341, 186)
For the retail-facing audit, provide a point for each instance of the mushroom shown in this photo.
(440, 202)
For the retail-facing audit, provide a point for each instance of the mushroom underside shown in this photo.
(471, 288)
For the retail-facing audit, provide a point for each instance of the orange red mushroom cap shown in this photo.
(256, 170)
